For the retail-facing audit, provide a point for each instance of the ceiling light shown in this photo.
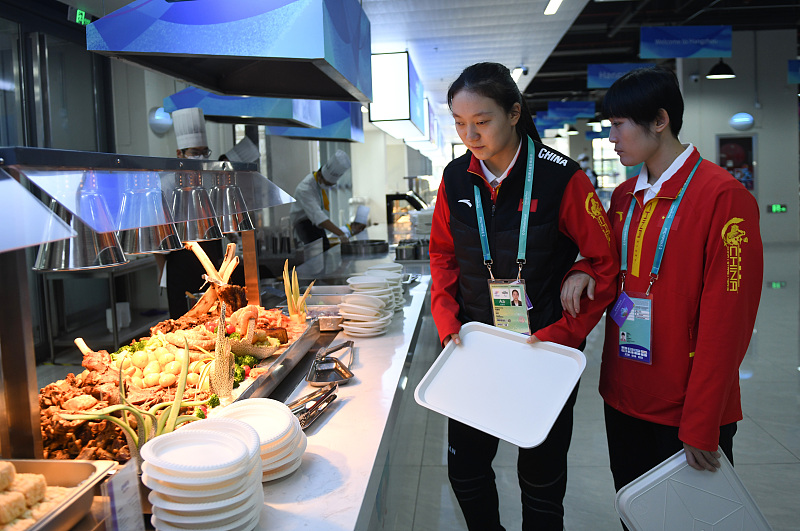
(552, 7)
(518, 72)
(572, 131)
(720, 70)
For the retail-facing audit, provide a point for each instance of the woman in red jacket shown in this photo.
(690, 283)
(486, 188)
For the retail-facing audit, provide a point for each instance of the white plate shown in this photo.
(215, 519)
(279, 452)
(272, 464)
(364, 300)
(290, 440)
(245, 432)
(358, 309)
(195, 452)
(674, 495)
(392, 276)
(272, 423)
(248, 521)
(355, 333)
(192, 508)
(277, 474)
(367, 282)
(385, 314)
(393, 266)
(365, 325)
(540, 376)
(178, 481)
(375, 292)
(197, 495)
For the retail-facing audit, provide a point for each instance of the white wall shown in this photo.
(761, 89)
(136, 91)
(288, 162)
(369, 173)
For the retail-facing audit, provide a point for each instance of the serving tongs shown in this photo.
(308, 408)
(326, 369)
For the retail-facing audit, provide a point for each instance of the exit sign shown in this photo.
(79, 16)
(780, 284)
(776, 209)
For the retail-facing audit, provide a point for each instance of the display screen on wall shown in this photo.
(737, 155)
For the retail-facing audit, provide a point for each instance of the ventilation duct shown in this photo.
(310, 49)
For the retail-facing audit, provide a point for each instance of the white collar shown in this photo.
(652, 190)
(489, 176)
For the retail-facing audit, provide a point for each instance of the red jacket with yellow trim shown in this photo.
(704, 303)
(566, 217)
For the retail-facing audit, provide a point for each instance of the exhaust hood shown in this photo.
(247, 110)
(341, 120)
(309, 49)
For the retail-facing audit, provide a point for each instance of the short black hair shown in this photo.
(639, 94)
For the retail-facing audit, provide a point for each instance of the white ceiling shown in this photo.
(445, 36)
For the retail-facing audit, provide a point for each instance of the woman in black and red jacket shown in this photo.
(566, 218)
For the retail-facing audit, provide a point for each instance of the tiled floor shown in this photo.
(766, 447)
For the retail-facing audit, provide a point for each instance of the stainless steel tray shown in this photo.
(282, 366)
(64, 473)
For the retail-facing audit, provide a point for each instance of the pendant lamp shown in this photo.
(721, 70)
(87, 250)
(228, 202)
(145, 208)
(194, 215)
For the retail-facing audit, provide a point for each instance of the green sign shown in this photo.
(79, 16)
(776, 209)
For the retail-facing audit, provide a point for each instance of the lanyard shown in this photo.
(523, 226)
(662, 237)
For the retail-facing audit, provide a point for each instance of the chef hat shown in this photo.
(336, 166)
(190, 128)
(244, 151)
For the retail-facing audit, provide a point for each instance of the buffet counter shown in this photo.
(336, 487)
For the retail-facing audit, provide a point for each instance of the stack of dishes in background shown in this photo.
(281, 440)
(366, 315)
(393, 273)
(203, 477)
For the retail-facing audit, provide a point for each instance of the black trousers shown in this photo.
(542, 473)
(636, 446)
(307, 232)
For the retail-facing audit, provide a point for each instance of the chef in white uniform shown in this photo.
(310, 214)
(184, 272)
(244, 151)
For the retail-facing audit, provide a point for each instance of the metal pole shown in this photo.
(20, 435)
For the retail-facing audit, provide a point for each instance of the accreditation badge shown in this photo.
(509, 306)
(635, 330)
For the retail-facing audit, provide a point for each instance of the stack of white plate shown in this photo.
(282, 441)
(376, 286)
(395, 283)
(365, 315)
(204, 479)
(394, 267)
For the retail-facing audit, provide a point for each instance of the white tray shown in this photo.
(674, 495)
(496, 382)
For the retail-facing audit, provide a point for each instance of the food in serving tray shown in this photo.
(159, 382)
(26, 498)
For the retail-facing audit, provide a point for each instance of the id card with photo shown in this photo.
(509, 306)
(635, 331)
